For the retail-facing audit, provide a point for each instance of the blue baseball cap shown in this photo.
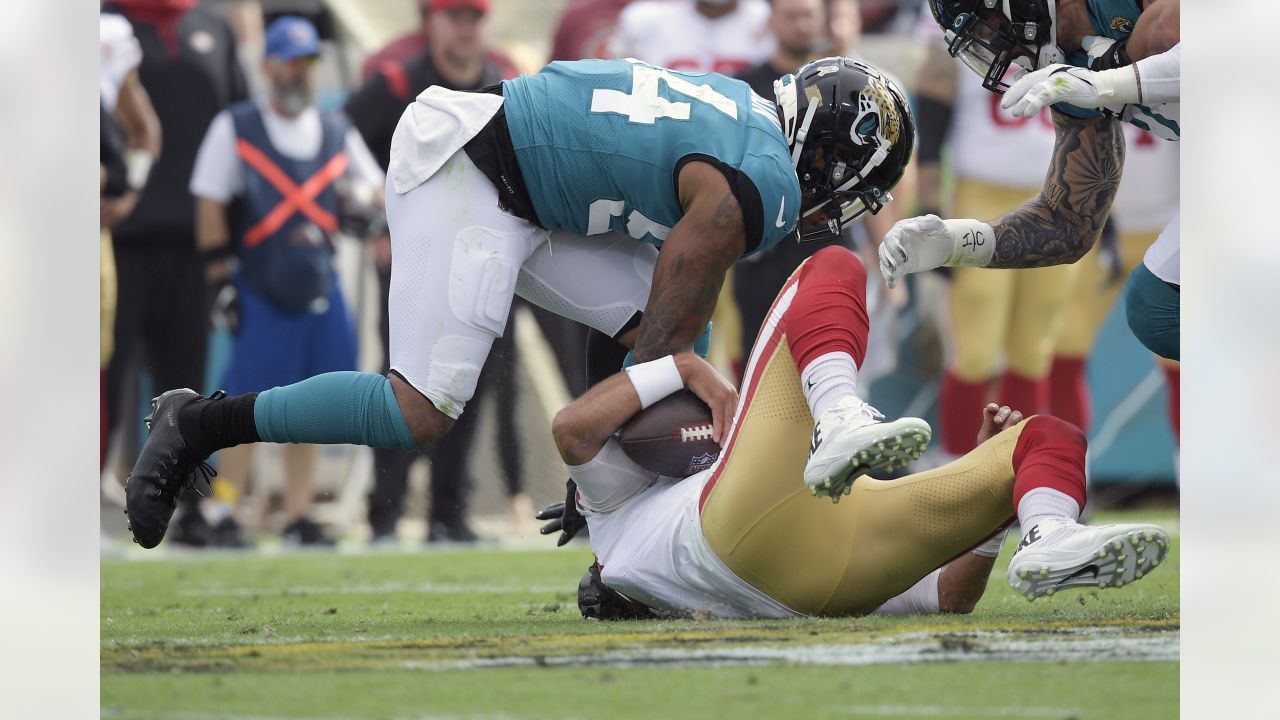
(291, 37)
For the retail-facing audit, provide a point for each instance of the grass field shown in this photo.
(496, 634)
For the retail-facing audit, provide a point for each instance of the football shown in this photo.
(672, 437)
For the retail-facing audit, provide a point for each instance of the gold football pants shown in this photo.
(1014, 314)
(820, 558)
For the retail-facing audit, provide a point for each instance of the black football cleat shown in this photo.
(164, 469)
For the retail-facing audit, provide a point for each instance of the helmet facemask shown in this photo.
(989, 42)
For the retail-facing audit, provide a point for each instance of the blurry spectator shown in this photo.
(804, 31)
(1003, 323)
(130, 142)
(723, 36)
(585, 29)
(1147, 199)
(281, 161)
(413, 44)
(455, 57)
(190, 72)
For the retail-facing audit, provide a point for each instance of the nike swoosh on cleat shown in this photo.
(1091, 569)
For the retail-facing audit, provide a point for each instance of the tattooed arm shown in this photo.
(1056, 227)
(701, 247)
(1061, 224)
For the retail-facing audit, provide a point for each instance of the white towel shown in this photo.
(434, 127)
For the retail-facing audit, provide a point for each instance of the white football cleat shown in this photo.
(1059, 554)
(849, 440)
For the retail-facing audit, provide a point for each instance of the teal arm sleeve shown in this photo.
(334, 408)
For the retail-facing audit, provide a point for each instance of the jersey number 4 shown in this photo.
(644, 105)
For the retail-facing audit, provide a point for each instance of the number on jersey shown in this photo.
(644, 105)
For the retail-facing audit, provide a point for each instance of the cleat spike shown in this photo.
(1049, 591)
(1148, 536)
(1102, 554)
(1117, 546)
(1023, 574)
(1044, 572)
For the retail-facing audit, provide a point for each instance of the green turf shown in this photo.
(325, 635)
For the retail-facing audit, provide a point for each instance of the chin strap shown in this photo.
(1050, 53)
(801, 133)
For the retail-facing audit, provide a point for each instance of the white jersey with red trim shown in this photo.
(648, 541)
(674, 35)
(1148, 194)
(991, 145)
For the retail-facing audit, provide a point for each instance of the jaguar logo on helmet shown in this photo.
(877, 120)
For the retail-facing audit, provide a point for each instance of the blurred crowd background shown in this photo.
(220, 117)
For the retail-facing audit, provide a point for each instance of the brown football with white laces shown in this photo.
(672, 437)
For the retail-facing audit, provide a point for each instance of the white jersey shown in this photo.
(118, 54)
(673, 34)
(990, 145)
(648, 541)
(646, 533)
(1148, 194)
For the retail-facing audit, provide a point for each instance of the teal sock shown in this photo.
(334, 408)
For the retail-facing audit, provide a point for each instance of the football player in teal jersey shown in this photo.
(612, 192)
(1098, 63)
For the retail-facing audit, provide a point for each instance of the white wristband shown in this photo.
(655, 379)
(974, 240)
(1117, 86)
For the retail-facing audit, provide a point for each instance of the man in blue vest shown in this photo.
(279, 163)
(612, 192)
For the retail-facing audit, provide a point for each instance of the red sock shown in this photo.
(1069, 391)
(1173, 384)
(829, 312)
(1049, 453)
(1026, 395)
(960, 412)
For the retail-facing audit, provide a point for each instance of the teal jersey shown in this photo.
(600, 142)
(1116, 19)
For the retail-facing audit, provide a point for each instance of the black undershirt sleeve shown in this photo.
(743, 190)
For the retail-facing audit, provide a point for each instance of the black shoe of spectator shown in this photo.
(190, 529)
(304, 532)
(226, 534)
(451, 533)
(164, 469)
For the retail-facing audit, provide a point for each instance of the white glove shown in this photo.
(1076, 86)
(923, 243)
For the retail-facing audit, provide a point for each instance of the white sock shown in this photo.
(827, 379)
(1043, 503)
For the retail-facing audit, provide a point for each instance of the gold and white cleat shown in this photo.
(1059, 554)
(849, 440)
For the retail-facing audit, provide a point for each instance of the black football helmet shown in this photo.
(851, 135)
(990, 35)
